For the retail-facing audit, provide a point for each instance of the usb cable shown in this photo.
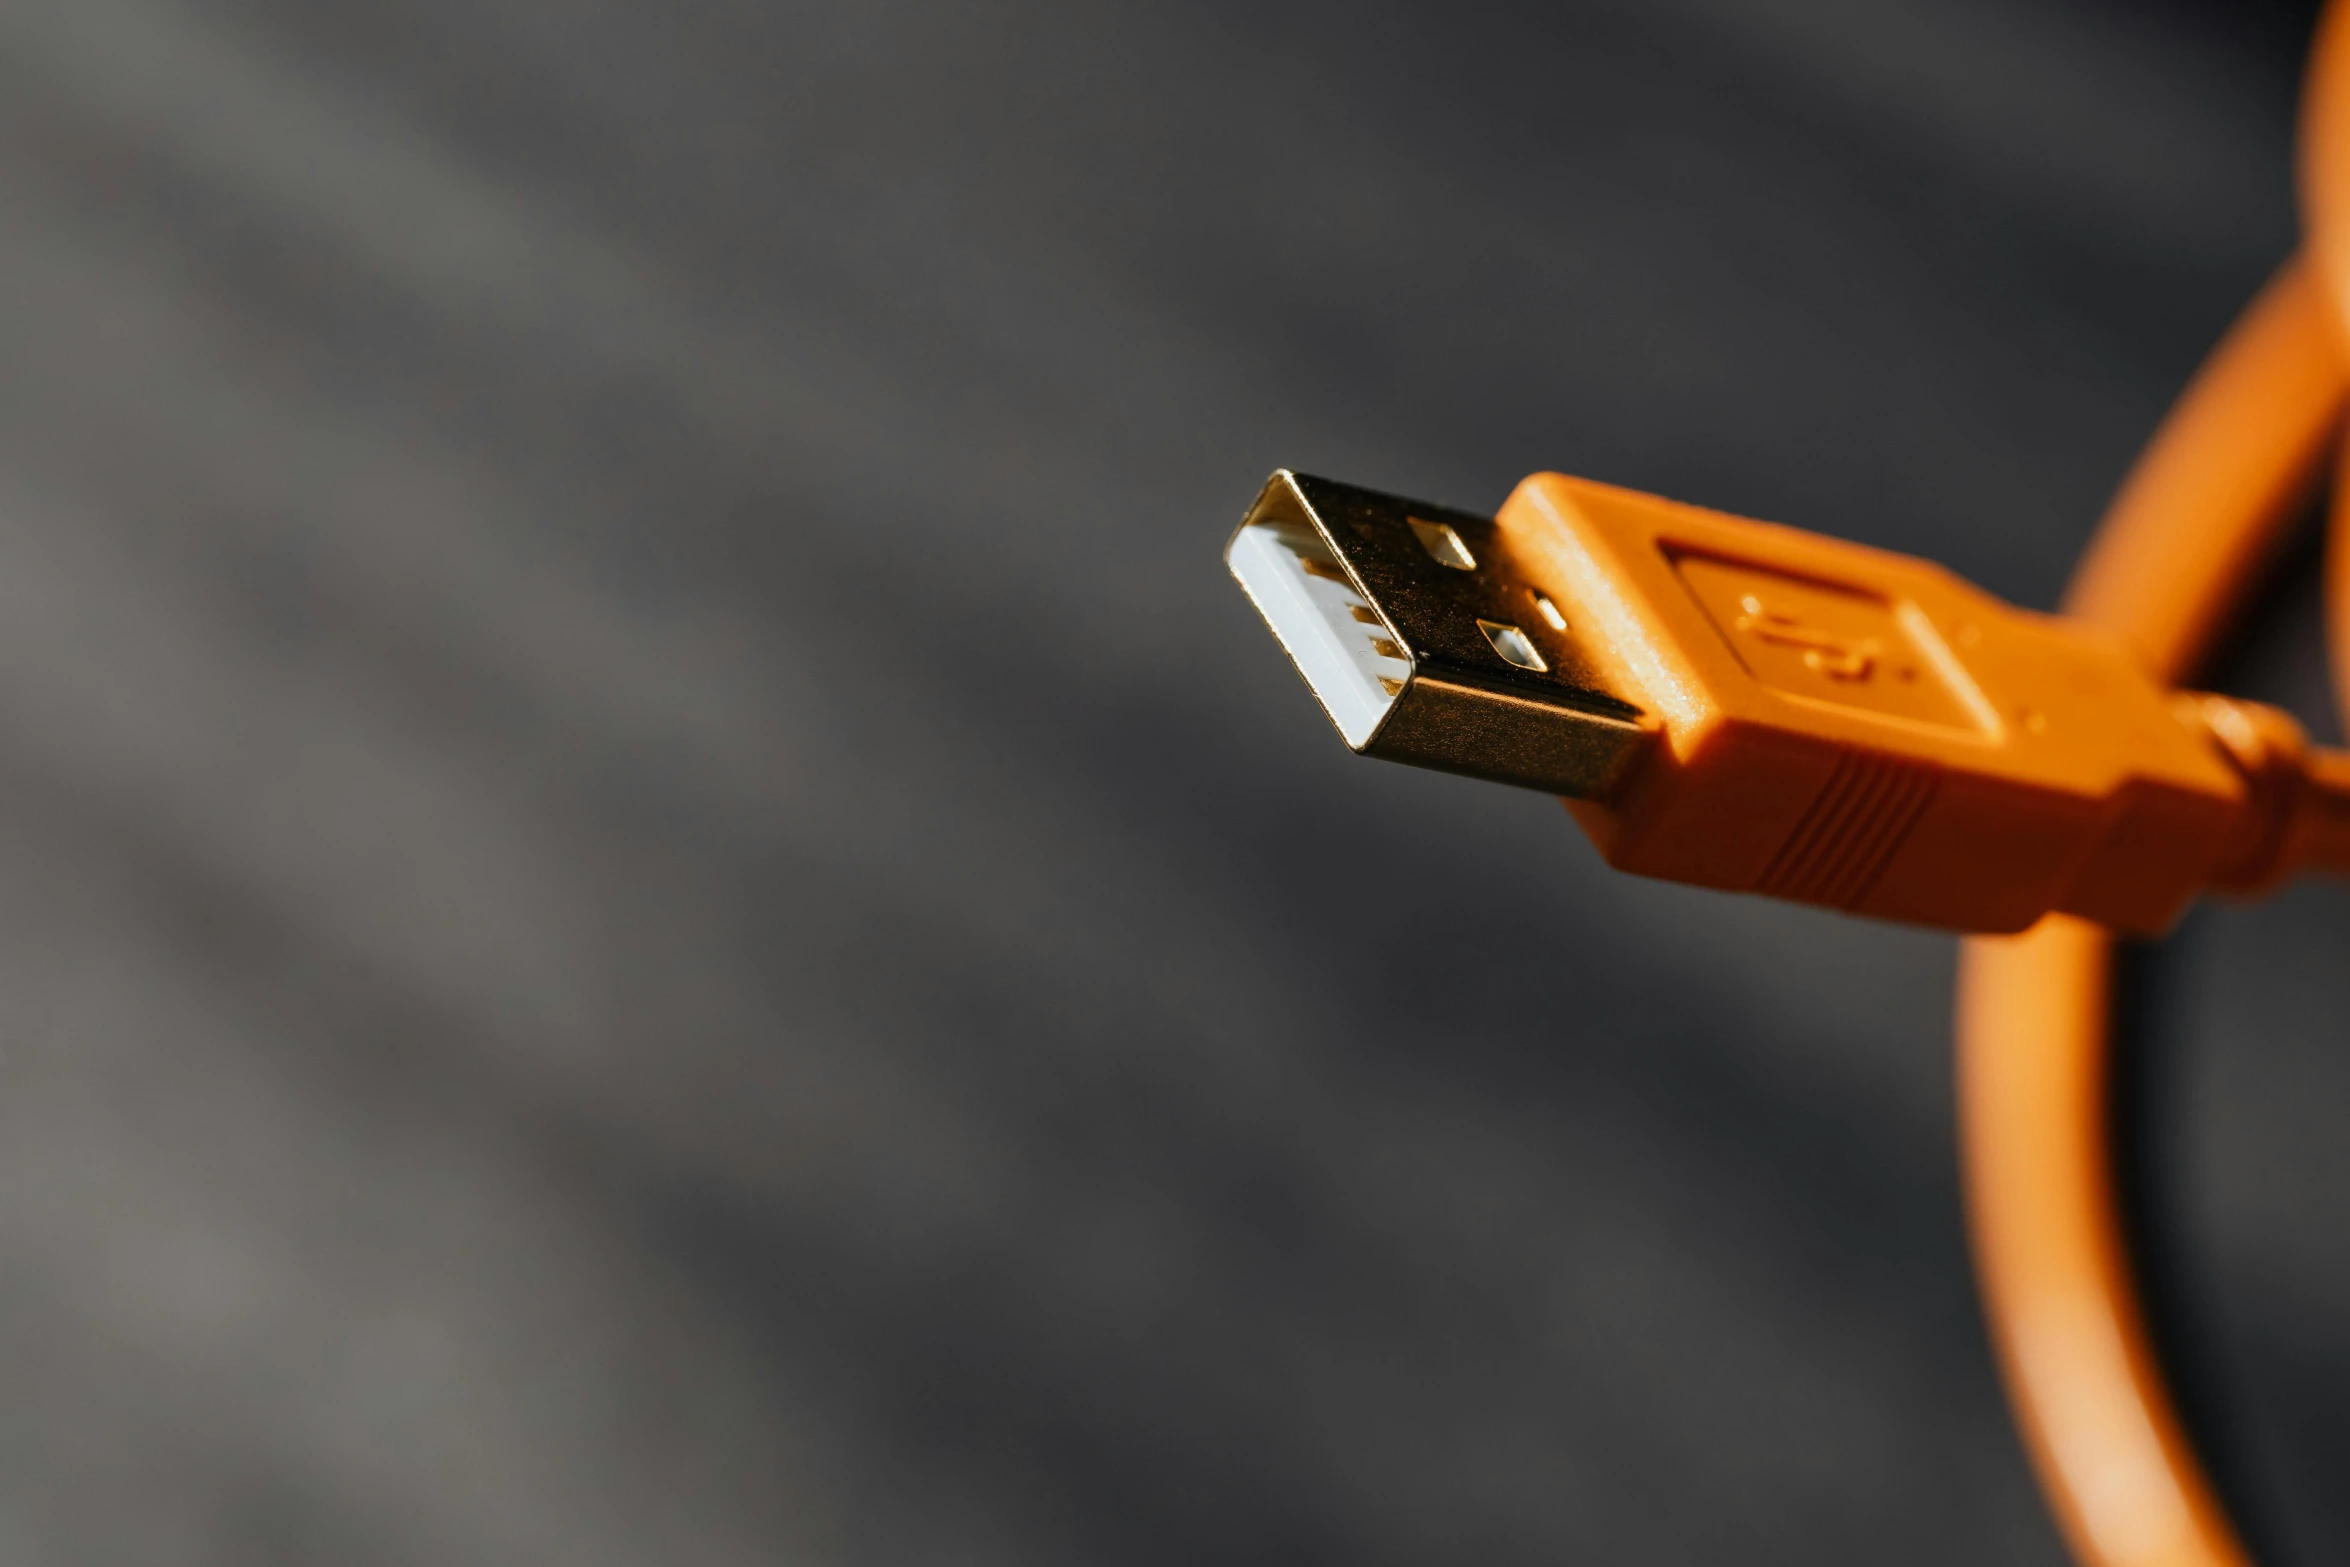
(1754, 708)
(1748, 707)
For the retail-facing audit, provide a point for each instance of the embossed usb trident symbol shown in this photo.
(1839, 658)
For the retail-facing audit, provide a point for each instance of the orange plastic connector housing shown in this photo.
(1845, 726)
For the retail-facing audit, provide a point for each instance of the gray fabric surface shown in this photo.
(656, 906)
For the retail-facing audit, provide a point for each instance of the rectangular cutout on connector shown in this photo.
(1443, 545)
(1513, 645)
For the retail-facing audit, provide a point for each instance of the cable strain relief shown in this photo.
(2271, 752)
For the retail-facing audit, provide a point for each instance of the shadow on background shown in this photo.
(659, 907)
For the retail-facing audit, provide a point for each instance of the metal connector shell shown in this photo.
(1424, 643)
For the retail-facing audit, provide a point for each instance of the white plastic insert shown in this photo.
(1337, 641)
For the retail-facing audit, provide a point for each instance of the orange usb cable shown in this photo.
(1748, 707)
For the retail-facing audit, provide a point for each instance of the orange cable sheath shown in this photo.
(2087, 1392)
(2337, 601)
(2323, 171)
(2198, 514)
(2325, 199)
(2188, 531)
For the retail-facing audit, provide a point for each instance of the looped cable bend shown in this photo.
(2190, 529)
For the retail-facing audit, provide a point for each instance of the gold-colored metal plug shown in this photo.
(1423, 642)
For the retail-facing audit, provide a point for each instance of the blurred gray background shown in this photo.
(657, 906)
